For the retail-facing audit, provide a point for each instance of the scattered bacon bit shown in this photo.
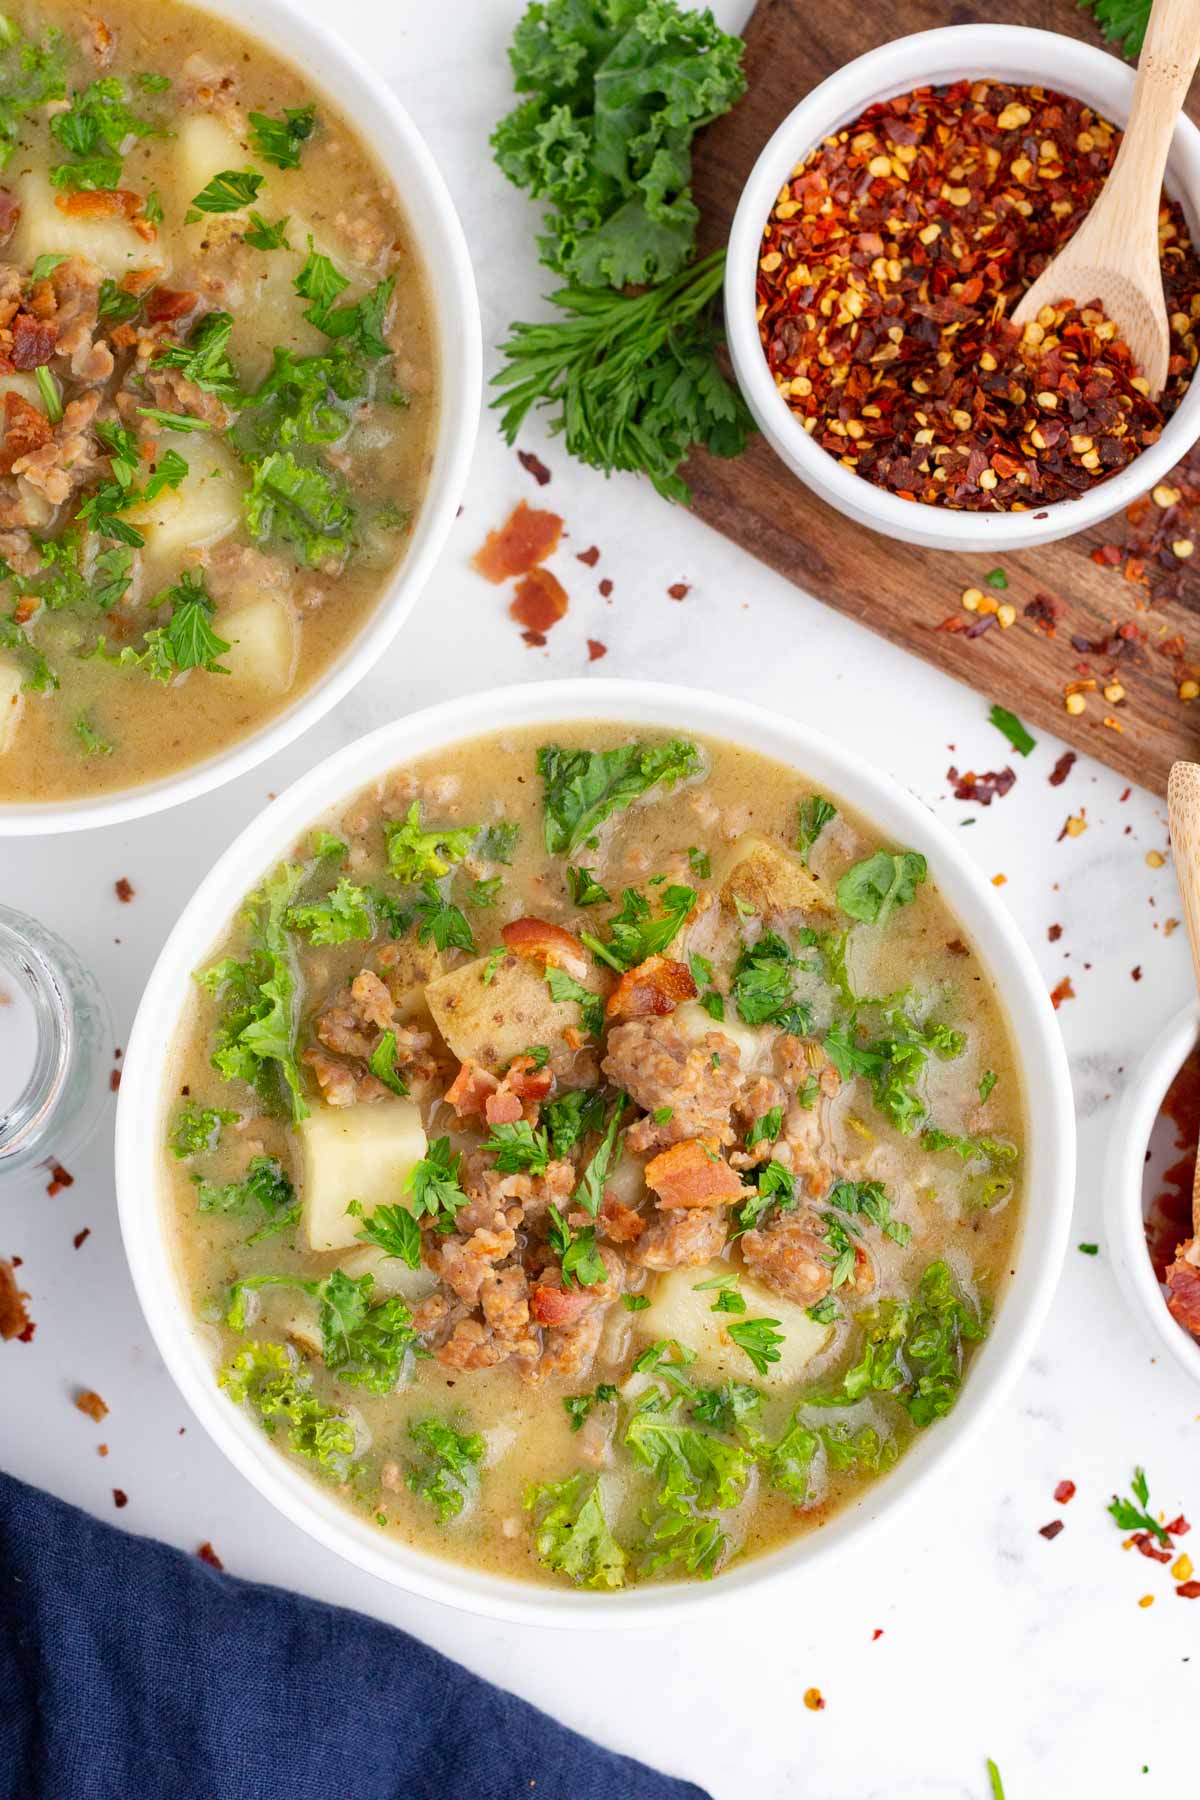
(1050, 1531)
(89, 1402)
(60, 1178)
(114, 1079)
(657, 985)
(1064, 1491)
(606, 588)
(1054, 933)
(25, 608)
(535, 639)
(81, 1236)
(170, 303)
(620, 1222)
(1183, 1286)
(541, 601)
(548, 943)
(101, 1449)
(534, 465)
(503, 1107)
(590, 556)
(557, 1305)
(679, 590)
(120, 1497)
(814, 1699)
(1062, 768)
(692, 1174)
(1064, 991)
(1178, 1527)
(25, 430)
(526, 1079)
(877, 1634)
(527, 537)
(1148, 1545)
(596, 649)
(14, 1318)
(100, 203)
(1136, 972)
(125, 889)
(208, 1555)
(33, 341)
(10, 213)
(470, 1088)
(981, 788)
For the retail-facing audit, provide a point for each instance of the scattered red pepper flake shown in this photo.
(1051, 1530)
(1136, 972)
(590, 556)
(1054, 933)
(14, 1317)
(1062, 768)
(1188, 1590)
(679, 590)
(114, 1079)
(60, 1178)
(81, 1236)
(596, 649)
(1042, 611)
(120, 1497)
(814, 1699)
(1178, 1527)
(877, 1634)
(606, 587)
(1064, 991)
(534, 466)
(125, 890)
(89, 1402)
(535, 639)
(1143, 1541)
(101, 1449)
(541, 601)
(527, 537)
(1064, 1491)
(981, 788)
(208, 1555)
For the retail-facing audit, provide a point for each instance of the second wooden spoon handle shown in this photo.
(1183, 806)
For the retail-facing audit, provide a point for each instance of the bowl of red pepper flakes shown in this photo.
(881, 244)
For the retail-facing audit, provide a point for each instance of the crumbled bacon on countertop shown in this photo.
(606, 587)
(80, 1236)
(60, 1178)
(120, 1497)
(208, 1555)
(590, 556)
(14, 1318)
(981, 788)
(540, 601)
(1062, 768)
(1064, 991)
(596, 649)
(89, 1402)
(679, 590)
(1051, 1530)
(125, 889)
(527, 537)
(1064, 1491)
(534, 466)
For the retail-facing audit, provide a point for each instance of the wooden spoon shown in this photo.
(1183, 809)
(1113, 257)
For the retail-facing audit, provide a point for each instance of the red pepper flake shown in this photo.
(877, 1634)
(14, 1317)
(101, 1449)
(1143, 1541)
(590, 556)
(60, 1178)
(1178, 1527)
(1051, 1530)
(1188, 1590)
(1064, 991)
(1064, 1491)
(114, 1079)
(80, 1236)
(534, 466)
(208, 1555)
(1042, 611)
(535, 639)
(527, 537)
(887, 275)
(606, 587)
(89, 1402)
(981, 788)
(541, 601)
(679, 590)
(814, 1699)
(980, 625)
(1062, 768)
(1054, 933)
(1136, 973)
(125, 890)
(120, 1497)
(596, 649)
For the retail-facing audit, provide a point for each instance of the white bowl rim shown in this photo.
(1123, 1200)
(948, 52)
(143, 1100)
(303, 41)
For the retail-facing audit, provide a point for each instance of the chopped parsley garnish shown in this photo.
(824, 1312)
(485, 893)
(578, 1254)
(262, 236)
(278, 141)
(873, 888)
(204, 359)
(572, 1115)
(342, 916)
(635, 1302)
(434, 1184)
(89, 736)
(1013, 729)
(151, 83)
(198, 1128)
(759, 1338)
(583, 887)
(762, 986)
(186, 641)
(701, 862)
(987, 1082)
(392, 1229)
(578, 1406)
(230, 191)
(496, 843)
(382, 1064)
(564, 988)
(449, 1476)
(766, 1128)
(776, 1187)
(44, 267)
(813, 815)
(94, 130)
(51, 394)
(590, 1192)
(635, 934)
(1134, 1515)
(116, 305)
(870, 1200)
(171, 421)
(582, 788)
(519, 1147)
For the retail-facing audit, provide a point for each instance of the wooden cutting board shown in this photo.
(904, 592)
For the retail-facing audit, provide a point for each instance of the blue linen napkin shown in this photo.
(130, 1671)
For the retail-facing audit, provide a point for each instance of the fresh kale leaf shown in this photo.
(198, 1128)
(571, 1534)
(872, 889)
(268, 1378)
(342, 916)
(448, 1477)
(415, 855)
(256, 1040)
(299, 505)
(582, 788)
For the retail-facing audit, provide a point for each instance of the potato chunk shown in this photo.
(45, 230)
(264, 643)
(12, 702)
(204, 147)
(492, 1023)
(390, 1274)
(770, 881)
(677, 1311)
(361, 1153)
(205, 507)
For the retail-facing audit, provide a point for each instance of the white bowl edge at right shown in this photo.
(1124, 1226)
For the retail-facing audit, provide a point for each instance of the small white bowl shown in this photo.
(1124, 1214)
(1007, 53)
(144, 1103)
(337, 71)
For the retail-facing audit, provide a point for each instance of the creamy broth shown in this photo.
(275, 322)
(812, 1197)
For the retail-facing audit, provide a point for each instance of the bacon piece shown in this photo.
(1183, 1286)
(25, 430)
(558, 1305)
(657, 985)
(470, 1090)
(100, 203)
(620, 1222)
(693, 1174)
(527, 537)
(10, 213)
(88, 1401)
(540, 602)
(33, 341)
(170, 303)
(14, 1320)
(526, 1079)
(503, 1107)
(548, 943)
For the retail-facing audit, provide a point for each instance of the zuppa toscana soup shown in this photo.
(596, 1156)
(217, 378)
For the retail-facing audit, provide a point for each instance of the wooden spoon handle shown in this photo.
(1183, 807)
(1165, 68)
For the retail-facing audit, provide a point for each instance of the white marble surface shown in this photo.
(995, 1641)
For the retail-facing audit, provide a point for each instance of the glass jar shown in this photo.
(56, 1045)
